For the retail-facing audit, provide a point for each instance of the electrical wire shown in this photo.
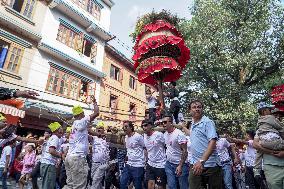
(48, 67)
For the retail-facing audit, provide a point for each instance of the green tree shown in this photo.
(237, 55)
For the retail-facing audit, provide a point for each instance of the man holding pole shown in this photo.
(75, 162)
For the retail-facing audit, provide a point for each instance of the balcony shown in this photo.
(82, 17)
(63, 55)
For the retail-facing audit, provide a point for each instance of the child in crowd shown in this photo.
(18, 167)
(175, 105)
(270, 133)
(28, 164)
(151, 100)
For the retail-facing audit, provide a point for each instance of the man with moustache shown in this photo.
(156, 156)
(203, 144)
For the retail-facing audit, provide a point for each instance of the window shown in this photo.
(77, 42)
(63, 84)
(4, 47)
(29, 8)
(90, 6)
(87, 48)
(74, 88)
(70, 38)
(115, 73)
(132, 110)
(87, 92)
(25, 7)
(10, 56)
(93, 53)
(132, 82)
(113, 104)
(96, 11)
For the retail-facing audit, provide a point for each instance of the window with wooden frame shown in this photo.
(132, 82)
(77, 41)
(113, 101)
(70, 38)
(90, 6)
(89, 49)
(63, 84)
(93, 53)
(10, 55)
(96, 11)
(74, 88)
(87, 92)
(29, 8)
(91, 89)
(132, 110)
(24, 7)
(115, 73)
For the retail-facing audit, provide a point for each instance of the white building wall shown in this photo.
(38, 79)
(49, 35)
(38, 76)
(105, 17)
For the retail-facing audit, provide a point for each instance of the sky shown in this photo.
(124, 15)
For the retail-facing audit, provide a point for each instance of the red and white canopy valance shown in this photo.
(5, 109)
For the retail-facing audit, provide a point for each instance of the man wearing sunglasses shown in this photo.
(176, 152)
(135, 162)
(203, 144)
(155, 146)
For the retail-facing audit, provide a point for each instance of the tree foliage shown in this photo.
(237, 55)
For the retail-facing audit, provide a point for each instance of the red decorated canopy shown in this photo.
(160, 53)
(277, 95)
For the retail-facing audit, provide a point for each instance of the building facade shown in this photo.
(56, 48)
(122, 97)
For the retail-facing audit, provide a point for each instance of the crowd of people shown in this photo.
(175, 154)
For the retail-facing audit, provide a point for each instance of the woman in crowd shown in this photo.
(28, 164)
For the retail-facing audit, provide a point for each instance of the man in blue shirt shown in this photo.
(203, 149)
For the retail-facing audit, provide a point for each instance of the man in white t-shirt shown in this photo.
(75, 162)
(222, 146)
(176, 167)
(50, 155)
(100, 157)
(156, 156)
(134, 168)
(5, 162)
